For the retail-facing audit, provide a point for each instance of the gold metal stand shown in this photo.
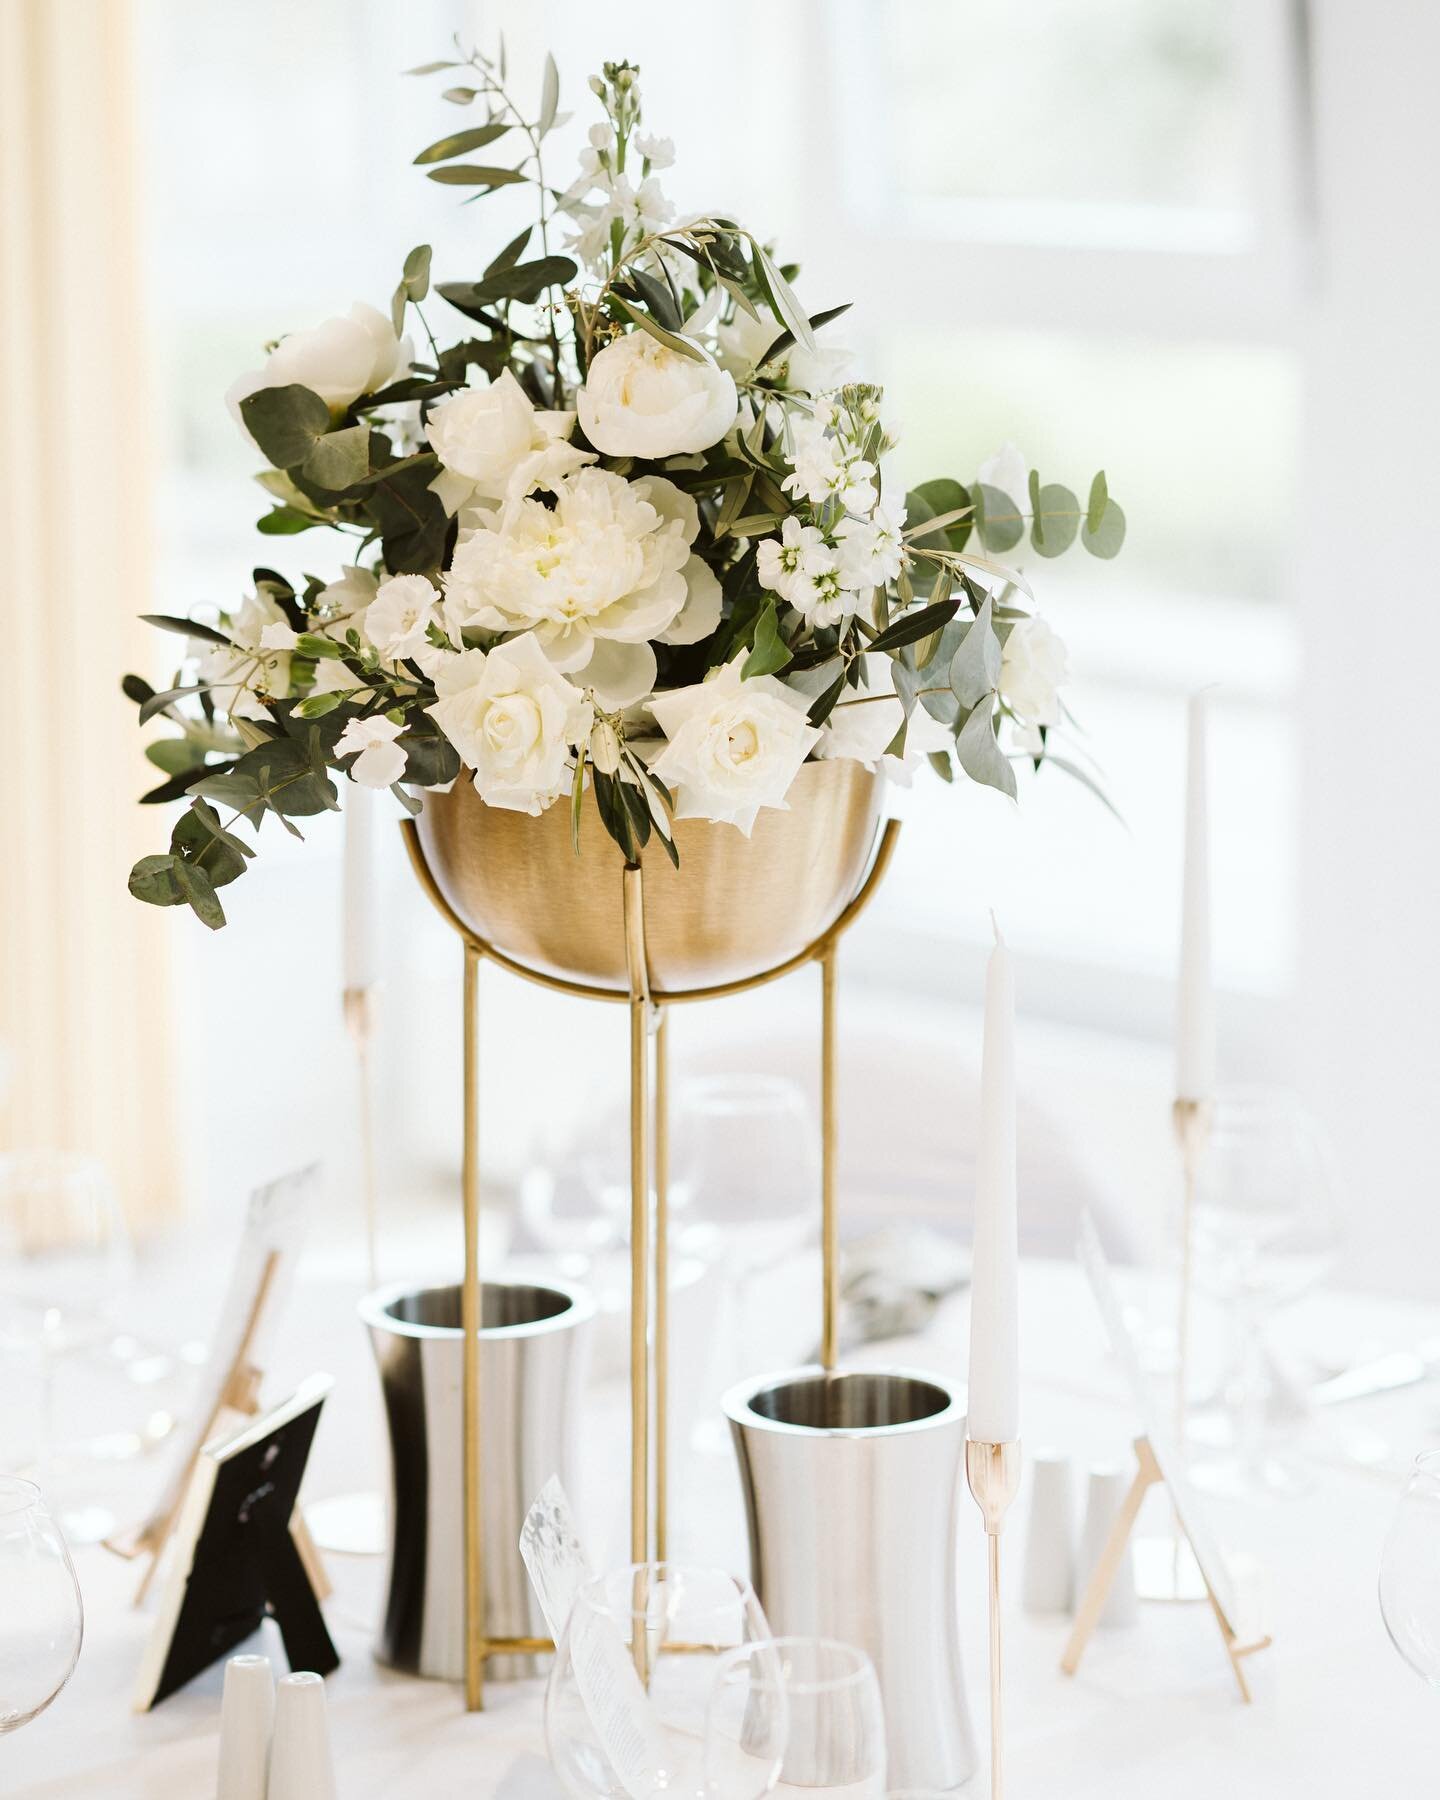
(649, 1309)
(1092, 1604)
(993, 1472)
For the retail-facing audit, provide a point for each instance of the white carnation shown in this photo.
(380, 761)
(397, 619)
(643, 399)
(514, 720)
(732, 746)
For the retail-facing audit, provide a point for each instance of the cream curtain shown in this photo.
(84, 1007)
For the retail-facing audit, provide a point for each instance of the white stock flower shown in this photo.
(514, 719)
(732, 746)
(339, 360)
(659, 152)
(786, 563)
(397, 618)
(1008, 471)
(494, 443)
(1032, 666)
(871, 550)
(248, 669)
(596, 577)
(824, 470)
(643, 399)
(380, 762)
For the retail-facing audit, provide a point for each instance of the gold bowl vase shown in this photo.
(736, 908)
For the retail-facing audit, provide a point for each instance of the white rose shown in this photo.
(641, 398)
(863, 723)
(1032, 666)
(596, 577)
(397, 619)
(248, 670)
(339, 360)
(514, 718)
(380, 761)
(733, 746)
(495, 444)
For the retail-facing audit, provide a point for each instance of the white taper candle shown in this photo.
(1195, 999)
(359, 894)
(994, 1400)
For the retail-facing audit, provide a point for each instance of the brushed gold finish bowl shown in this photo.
(735, 909)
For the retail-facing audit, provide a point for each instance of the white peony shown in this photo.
(1033, 665)
(339, 360)
(643, 399)
(607, 569)
(397, 619)
(514, 719)
(733, 745)
(495, 444)
(249, 670)
(380, 761)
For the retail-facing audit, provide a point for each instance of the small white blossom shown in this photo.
(397, 619)
(600, 137)
(380, 762)
(659, 152)
(278, 636)
(789, 564)
(871, 550)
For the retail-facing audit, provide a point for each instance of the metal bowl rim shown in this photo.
(738, 1403)
(579, 1310)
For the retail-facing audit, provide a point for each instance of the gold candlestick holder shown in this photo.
(993, 1472)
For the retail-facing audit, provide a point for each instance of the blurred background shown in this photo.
(1185, 240)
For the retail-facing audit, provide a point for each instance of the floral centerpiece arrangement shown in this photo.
(631, 533)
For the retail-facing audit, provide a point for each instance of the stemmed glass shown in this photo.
(635, 1705)
(1267, 1229)
(836, 1738)
(41, 1620)
(1410, 1571)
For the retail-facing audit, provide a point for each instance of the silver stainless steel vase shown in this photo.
(852, 1481)
(534, 1342)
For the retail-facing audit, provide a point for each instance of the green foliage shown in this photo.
(286, 422)
(769, 653)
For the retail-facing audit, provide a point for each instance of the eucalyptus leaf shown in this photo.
(1055, 521)
(153, 881)
(997, 518)
(286, 422)
(522, 281)
(981, 756)
(1105, 539)
(284, 521)
(339, 459)
(975, 666)
(199, 890)
(1099, 494)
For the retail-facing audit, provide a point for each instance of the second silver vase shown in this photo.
(852, 1483)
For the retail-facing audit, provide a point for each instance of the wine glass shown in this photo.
(633, 1708)
(41, 1620)
(835, 1742)
(1410, 1571)
(1267, 1229)
(64, 1254)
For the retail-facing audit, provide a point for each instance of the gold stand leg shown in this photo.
(470, 1318)
(662, 1286)
(634, 899)
(830, 1224)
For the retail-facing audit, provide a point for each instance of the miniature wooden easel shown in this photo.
(1148, 1474)
(238, 1398)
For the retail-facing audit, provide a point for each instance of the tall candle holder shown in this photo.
(993, 1472)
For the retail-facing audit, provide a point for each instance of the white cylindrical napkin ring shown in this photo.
(300, 1763)
(1049, 1575)
(247, 1713)
(1106, 1491)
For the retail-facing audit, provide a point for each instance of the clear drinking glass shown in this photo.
(1410, 1571)
(637, 1703)
(835, 1743)
(1267, 1229)
(41, 1621)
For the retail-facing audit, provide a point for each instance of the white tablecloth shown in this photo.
(1152, 1712)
